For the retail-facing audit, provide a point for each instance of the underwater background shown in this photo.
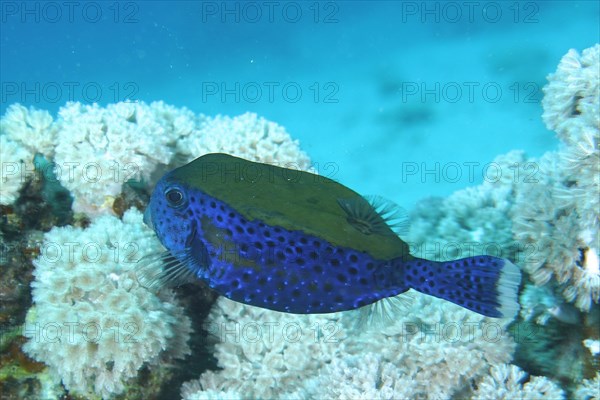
(413, 101)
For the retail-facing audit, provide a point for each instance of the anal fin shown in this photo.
(384, 312)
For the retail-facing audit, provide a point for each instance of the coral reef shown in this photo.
(23, 133)
(541, 213)
(552, 227)
(508, 382)
(256, 140)
(435, 357)
(555, 219)
(266, 354)
(552, 202)
(557, 214)
(99, 149)
(33, 129)
(91, 322)
(365, 376)
(96, 150)
(432, 349)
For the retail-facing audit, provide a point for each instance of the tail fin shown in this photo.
(484, 284)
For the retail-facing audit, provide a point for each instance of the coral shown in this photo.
(23, 133)
(589, 389)
(84, 288)
(193, 391)
(256, 140)
(593, 346)
(104, 156)
(365, 376)
(471, 221)
(99, 149)
(91, 322)
(540, 304)
(433, 348)
(437, 346)
(33, 129)
(266, 354)
(14, 160)
(552, 201)
(559, 243)
(96, 150)
(571, 97)
(554, 350)
(557, 214)
(507, 382)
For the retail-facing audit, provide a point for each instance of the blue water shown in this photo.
(380, 89)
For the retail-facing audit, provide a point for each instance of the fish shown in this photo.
(297, 242)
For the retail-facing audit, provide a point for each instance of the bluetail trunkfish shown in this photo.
(297, 242)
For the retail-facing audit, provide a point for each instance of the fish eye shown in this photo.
(174, 197)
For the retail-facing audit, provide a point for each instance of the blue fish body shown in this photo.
(296, 242)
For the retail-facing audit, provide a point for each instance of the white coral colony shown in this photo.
(95, 150)
(560, 214)
(92, 323)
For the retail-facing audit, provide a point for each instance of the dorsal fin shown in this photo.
(374, 214)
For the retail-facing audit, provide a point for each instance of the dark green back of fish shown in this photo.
(291, 199)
